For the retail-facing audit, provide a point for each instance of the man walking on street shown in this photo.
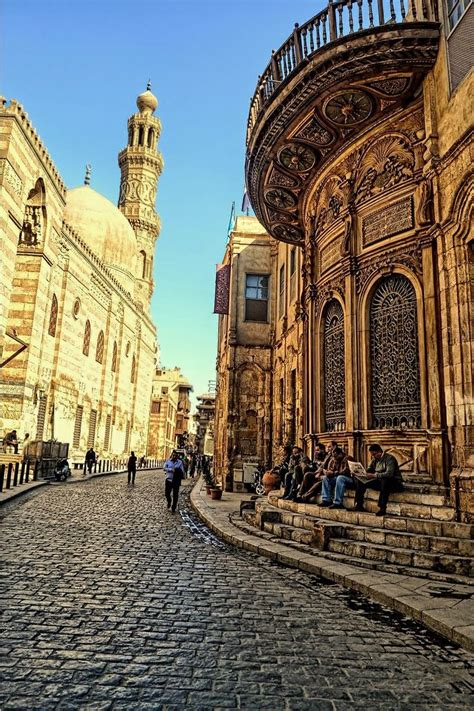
(132, 468)
(90, 460)
(174, 471)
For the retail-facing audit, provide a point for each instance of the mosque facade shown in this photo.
(78, 346)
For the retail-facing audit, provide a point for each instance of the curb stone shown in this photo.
(448, 616)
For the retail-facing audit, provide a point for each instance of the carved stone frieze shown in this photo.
(280, 198)
(287, 233)
(326, 291)
(315, 132)
(276, 177)
(388, 221)
(391, 87)
(296, 157)
(385, 263)
(10, 177)
(386, 162)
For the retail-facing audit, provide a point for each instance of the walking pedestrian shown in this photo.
(132, 468)
(174, 471)
(90, 460)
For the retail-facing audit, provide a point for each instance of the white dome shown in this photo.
(105, 230)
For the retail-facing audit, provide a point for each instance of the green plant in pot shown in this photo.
(209, 481)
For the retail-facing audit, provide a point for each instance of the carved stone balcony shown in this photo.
(334, 78)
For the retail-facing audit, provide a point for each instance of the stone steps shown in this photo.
(248, 525)
(451, 564)
(436, 545)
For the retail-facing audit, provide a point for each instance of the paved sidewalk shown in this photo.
(450, 615)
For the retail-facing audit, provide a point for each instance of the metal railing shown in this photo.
(16, 473)
(341, 18)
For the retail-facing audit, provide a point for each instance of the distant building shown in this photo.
(204, 420)
(169, 412)
(258, 402)
(75, 289)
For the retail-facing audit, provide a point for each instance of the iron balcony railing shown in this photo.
(341, 18)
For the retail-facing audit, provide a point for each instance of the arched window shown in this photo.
(130, 136)
(53, 316)
(395, 386)
(114, 358)
(334, 368)
(87, 338)
(140, 136)
(34, 220)
(149, 141)
(99, 351)
(143, 263)
(133, 370)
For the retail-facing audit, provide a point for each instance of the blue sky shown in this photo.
(77, 67)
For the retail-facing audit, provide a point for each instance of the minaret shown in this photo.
(141, 165)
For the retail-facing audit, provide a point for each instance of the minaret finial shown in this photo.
(87, 178)
(148, 86)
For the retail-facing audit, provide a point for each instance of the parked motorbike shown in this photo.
(62, 470)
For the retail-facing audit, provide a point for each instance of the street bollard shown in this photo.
(9, 475)
(15, 476)
(27, 475)
(2, 476)
(36, 471)
(22, 472)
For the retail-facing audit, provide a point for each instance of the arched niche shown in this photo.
(34, 221)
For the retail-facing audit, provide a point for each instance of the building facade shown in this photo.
(359, 154)
(169, 413)
(204, 423)
(75, 291)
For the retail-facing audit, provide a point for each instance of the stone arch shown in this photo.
(150, 138)
(35, 218)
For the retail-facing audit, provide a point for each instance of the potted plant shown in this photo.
(216, 493)
(209, 481)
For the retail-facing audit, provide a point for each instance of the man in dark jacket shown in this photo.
(384, 476)
(90, 460)
(132, 468)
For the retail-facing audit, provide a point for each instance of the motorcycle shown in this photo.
(62, 470)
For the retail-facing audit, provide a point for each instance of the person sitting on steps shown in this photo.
(385, 476)
(335, 467)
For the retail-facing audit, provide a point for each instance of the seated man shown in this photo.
(11, 440)
(332, 470)
(385, 476)
(294, 461)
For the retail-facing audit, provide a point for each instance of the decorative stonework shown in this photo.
(330, 254)
(287, 233)
(280, 198)
(349, 107)
(391, 87)
(297, 157)
(388, 221)
(386, 162)
(276, 177)
(387, 262)
(315, 132)
(11, 177)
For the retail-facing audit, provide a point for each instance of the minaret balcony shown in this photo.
(334, 78)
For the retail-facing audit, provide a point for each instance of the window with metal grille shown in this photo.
(455, 9)
(155, 407)
(87, 338)
(395, 387)
(292, 273)
(334, 368)
(133, 370)
(40, 419)
(256, 297)
(99, 351)
(76, 437)
(53, 316)
(460, 31)
(92, 426)
(281, 291)
(108, 423)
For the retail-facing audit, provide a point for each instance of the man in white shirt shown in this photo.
(174, 471)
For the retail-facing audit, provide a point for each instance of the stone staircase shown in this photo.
(417, 536)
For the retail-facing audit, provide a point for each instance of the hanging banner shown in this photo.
(221, 298)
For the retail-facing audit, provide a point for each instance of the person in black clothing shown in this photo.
(11, 439)
(90, 460)
(132, 468)
(174, 472)
(384, 475)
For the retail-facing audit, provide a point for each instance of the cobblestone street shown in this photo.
(112, 602)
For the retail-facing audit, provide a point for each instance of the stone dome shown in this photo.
(147, 102)
(105, 230)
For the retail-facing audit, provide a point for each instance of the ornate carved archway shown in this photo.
(334, 367)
